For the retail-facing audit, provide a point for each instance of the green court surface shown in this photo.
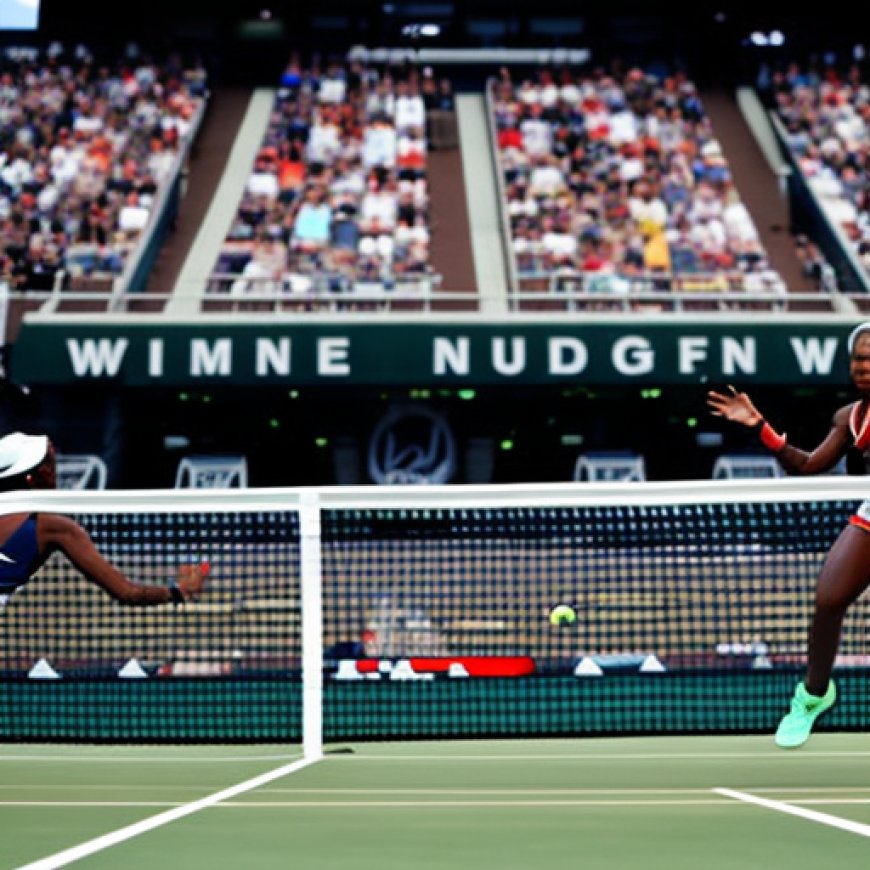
(604, 803)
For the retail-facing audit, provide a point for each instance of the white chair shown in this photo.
(737, 466)
(212, 472)
(610, 466)
(85, 471)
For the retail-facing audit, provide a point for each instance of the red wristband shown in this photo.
(770, 438)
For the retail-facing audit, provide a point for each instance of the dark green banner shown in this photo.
(431, 353)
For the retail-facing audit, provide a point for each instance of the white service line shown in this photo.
(810, 815)
(761, 756)
(67, 856)
(68, 804)
(145, 759)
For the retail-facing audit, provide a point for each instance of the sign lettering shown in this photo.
(421, 353)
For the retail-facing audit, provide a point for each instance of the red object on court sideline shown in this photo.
(476, 666)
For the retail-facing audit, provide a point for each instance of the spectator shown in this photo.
(311, 228)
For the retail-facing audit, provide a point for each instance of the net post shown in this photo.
(312, 626)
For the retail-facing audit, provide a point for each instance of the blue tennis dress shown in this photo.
(19, 558)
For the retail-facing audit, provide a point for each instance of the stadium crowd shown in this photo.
(84, 148)
(613, 180)
(826, 113)
(338, 198)
(618, 178)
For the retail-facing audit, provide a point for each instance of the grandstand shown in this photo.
(238, 254)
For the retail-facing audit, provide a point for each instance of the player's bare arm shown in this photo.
(56, 532)
(826, 455)
(737, 407)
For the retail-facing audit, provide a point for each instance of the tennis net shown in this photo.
(397, 613)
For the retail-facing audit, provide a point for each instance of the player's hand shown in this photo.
(191, 579)
(736, 407)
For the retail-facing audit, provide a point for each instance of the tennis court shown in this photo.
(616, 803)
(395, 638)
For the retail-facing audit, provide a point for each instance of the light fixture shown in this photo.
(414, 31)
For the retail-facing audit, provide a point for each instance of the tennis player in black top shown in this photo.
(846, 571)
(27, 540)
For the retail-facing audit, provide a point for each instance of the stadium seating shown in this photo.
(86, 147)
(335, 211)
(825, 113)
(616, 183)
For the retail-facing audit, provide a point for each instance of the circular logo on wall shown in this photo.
(412, 444)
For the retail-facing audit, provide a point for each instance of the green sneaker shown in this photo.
(795, 727)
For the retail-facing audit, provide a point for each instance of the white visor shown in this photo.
(20, 453)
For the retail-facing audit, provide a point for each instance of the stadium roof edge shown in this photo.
(815, 318)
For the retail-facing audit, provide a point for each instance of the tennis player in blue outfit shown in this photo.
(846, 572)
(27, 540)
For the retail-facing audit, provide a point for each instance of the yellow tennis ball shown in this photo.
(562, 614)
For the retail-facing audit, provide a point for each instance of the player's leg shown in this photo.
(844, 576)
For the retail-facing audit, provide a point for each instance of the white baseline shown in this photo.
(809, 815)
(67, 856)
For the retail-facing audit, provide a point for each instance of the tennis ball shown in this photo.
(562, 614)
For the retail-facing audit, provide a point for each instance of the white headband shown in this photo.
(853, 335)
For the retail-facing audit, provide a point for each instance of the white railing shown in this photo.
(498, 169)
(304, 286)
(365, 300)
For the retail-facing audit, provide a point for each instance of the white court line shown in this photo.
(445, 804)
(726, 796)
(614, 756)
(811, 789)
(380, 791)
(609, 756)
(810, 815)
(169, 759)
(48, 786)
(236, 805)
(67, 856)
(800, 793)
(806, 802)
(92, 803)
(504, 792)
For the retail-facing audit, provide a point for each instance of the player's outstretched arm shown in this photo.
(56, 532)
(737, 407)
